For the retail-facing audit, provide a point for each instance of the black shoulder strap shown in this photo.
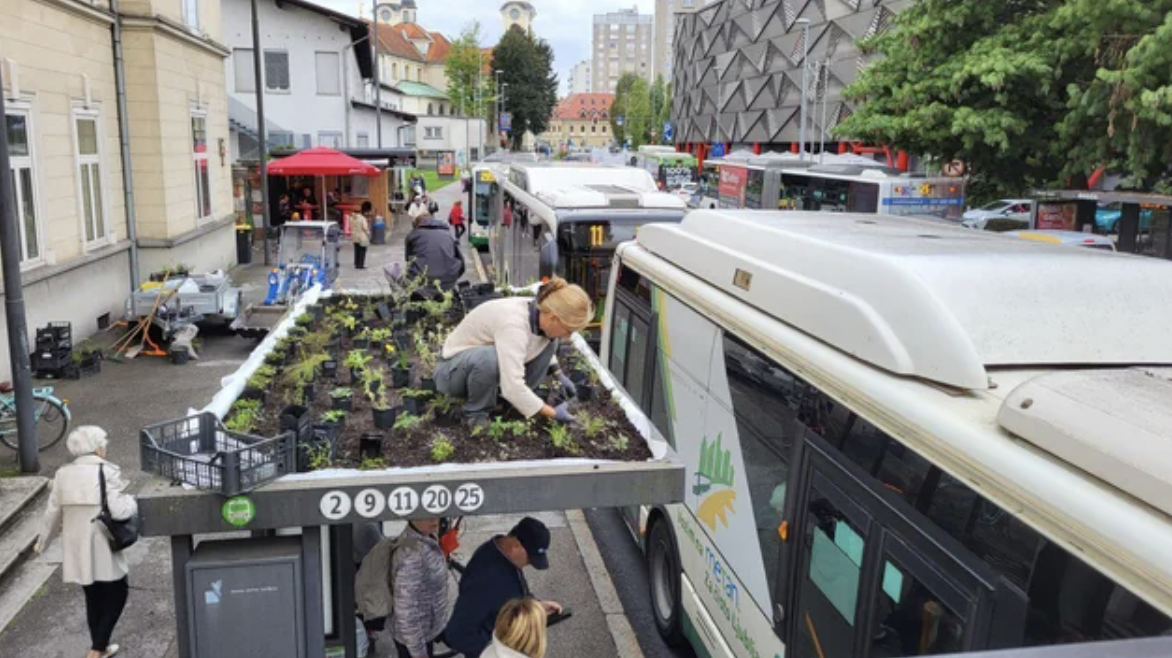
(102, 486)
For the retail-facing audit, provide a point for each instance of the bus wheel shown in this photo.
(663, 570)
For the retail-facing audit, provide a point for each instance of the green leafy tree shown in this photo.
(640, 113)
(660, 106)
(1027, 92)
(526, 65)
(618, 108)
(468, 88)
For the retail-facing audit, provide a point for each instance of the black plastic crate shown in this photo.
(474, 296)
(199, 451)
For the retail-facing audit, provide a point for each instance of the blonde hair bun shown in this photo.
(566, 301)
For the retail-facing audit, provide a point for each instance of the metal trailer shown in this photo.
(180, 301)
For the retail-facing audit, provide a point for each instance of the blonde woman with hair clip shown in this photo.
(519, 632)
(509, 344)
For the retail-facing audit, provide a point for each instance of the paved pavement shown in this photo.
(128, 396)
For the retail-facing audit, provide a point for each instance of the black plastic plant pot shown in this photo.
(355, 375)
(585, 392)
(579, 377)
(427, 384)
(383, 311)
(361, 343)
(384, 419)
(255, 394)
(402, 342)
(415, 406)
(318, 311)
(377, 346)
(308, 392)
(414, 315)
(370, 446)
(343, 404)
(400, 377)
(329, 369)
(179, 357)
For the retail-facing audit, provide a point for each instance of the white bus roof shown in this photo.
(569, 197)
(929, 301)
(553, 176)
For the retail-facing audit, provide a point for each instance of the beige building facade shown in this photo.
(623, 42)
(63, 128)
(580, 121)
(665, 29)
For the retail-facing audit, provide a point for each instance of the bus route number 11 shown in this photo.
(597, 235)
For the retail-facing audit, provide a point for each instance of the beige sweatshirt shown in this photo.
(503, 323)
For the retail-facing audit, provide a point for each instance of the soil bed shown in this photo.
(366, 337)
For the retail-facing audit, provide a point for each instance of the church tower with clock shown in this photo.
(518, 13)
(397, 11)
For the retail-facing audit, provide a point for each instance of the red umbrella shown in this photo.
(321, 161)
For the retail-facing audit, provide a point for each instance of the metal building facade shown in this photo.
(738, 67)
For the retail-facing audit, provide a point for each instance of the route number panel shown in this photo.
(373, 503)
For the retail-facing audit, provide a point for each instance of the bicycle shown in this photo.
(51, 416)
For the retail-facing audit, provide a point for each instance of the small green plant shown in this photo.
(592, 425)
(242, 416)
(305, 370)
(320, 457)
(583, 366)
(442, 405)
(562, 439)
(372, 464)
(348, 321)
(357, 359)
(333, 416)
(620, 443)
(374, 385)
(401, 360)
(304, 320)
(441, 449)
(498, 428)
(262, 378)
(341, 393)
(408, 422)
(414, 393)
(380, 335)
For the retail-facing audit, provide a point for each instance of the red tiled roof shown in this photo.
(412, 31)
(392, 42)
(572, 107)
(440, 47)
(396, 40)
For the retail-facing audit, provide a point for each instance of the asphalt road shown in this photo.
(628, 572)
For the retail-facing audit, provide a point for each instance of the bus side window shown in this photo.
(634, 352)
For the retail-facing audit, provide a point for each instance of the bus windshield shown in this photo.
(486, 210)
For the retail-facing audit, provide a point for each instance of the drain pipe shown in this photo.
(124, 145)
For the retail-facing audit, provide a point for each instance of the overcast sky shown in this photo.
(565, 24)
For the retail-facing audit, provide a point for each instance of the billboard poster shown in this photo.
(446, 164)
(731, 190)
(1056, 216)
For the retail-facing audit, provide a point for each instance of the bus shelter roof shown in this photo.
(1142, 198)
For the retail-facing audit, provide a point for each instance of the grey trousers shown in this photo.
(475, 376)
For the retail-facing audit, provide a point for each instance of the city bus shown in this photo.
(567, 219)
(839, 188)
(898, 439)
(670, 168)
(484, 196)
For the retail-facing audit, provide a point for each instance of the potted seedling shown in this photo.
(341, 398)
(378, 339)
(257, 386)
(375, 386)
(329, 368)
(585, 381)
(427, 361)
(441, 448)
(563, 440)
(349, 323)
(317, 312)
(87, 360)
(362, 340)
(370, 447)
(357, 361)
(407, 422)
(242, 416)
(401, 373)
(415, 400)
(335, 418)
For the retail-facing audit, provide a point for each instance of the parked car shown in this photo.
(1012, 209)
(687, 191)
(1069, 238)
(1107, 217)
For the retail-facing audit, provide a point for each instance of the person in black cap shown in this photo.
(492, 578)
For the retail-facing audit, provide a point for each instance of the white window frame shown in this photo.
(363, 140)
(190, 10)
(337, 139)
(337, 72)
(196, 158)
(101, 209)
(30, 161)
(243, 63)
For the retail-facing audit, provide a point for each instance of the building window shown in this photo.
(329, 139)
(329, 82)
(419, 74)
(276, 70)
(89, 175)
(604, 128)
(243, 68)
(433, 132)
(24, 182)
(191, 14)
(203, 176)
(430, 109)
(394, 70)
(363, 140)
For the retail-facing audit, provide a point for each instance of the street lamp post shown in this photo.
(261, 129)
(805, 23)
(378, 83)
(497, 102)
(825, 83)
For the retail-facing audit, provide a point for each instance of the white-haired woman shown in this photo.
(87, 558)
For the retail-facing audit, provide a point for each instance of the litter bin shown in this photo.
(243, 244)
(378, 231)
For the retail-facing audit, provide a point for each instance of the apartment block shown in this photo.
(580, 81)
(623, 42)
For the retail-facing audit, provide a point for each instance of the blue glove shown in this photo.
(567, 385)
(562, 414)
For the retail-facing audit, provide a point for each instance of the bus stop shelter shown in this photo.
(1143, 226)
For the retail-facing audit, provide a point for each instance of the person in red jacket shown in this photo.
(456, 219)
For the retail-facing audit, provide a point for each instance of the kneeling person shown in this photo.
(510, 343)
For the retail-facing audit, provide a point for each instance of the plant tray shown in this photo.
(198, 451)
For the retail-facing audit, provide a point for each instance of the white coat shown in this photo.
(498, 650)
(74, 502)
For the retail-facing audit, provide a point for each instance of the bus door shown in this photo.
(864, 581)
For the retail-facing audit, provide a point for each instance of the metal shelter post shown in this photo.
(261, 137)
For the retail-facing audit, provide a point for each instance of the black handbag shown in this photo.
(121, 533)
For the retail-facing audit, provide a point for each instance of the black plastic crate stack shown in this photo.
(473, 296)
(53, 356)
